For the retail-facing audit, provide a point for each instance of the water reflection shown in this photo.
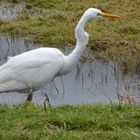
(99, 81)
(11, 12)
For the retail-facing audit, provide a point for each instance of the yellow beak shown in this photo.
(112, 16)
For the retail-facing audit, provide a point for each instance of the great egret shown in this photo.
(33, 69)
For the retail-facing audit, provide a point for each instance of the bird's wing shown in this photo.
(29, 71)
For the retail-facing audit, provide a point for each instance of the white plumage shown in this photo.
(30, 69)
(35, 68)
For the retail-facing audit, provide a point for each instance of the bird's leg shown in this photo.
(46, 100)
(30, 94)
(30, 97)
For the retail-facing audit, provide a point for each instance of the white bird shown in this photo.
(35, 68)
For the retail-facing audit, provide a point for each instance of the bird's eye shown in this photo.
(98, 14)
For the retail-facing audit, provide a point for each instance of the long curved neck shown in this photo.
(82, 41)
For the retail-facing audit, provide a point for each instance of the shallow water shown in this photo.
(96, 81)
(11, 12)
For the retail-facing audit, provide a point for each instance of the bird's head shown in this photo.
(93, 13)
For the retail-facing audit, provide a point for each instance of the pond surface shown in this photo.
(10, 12)
(92, 82)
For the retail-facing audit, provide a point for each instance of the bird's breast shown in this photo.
(67, 66)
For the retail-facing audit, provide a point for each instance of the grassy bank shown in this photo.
(98, 122)
(55, 23)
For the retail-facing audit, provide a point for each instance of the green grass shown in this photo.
(57, 27)
(98, 122)
(118, 40)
